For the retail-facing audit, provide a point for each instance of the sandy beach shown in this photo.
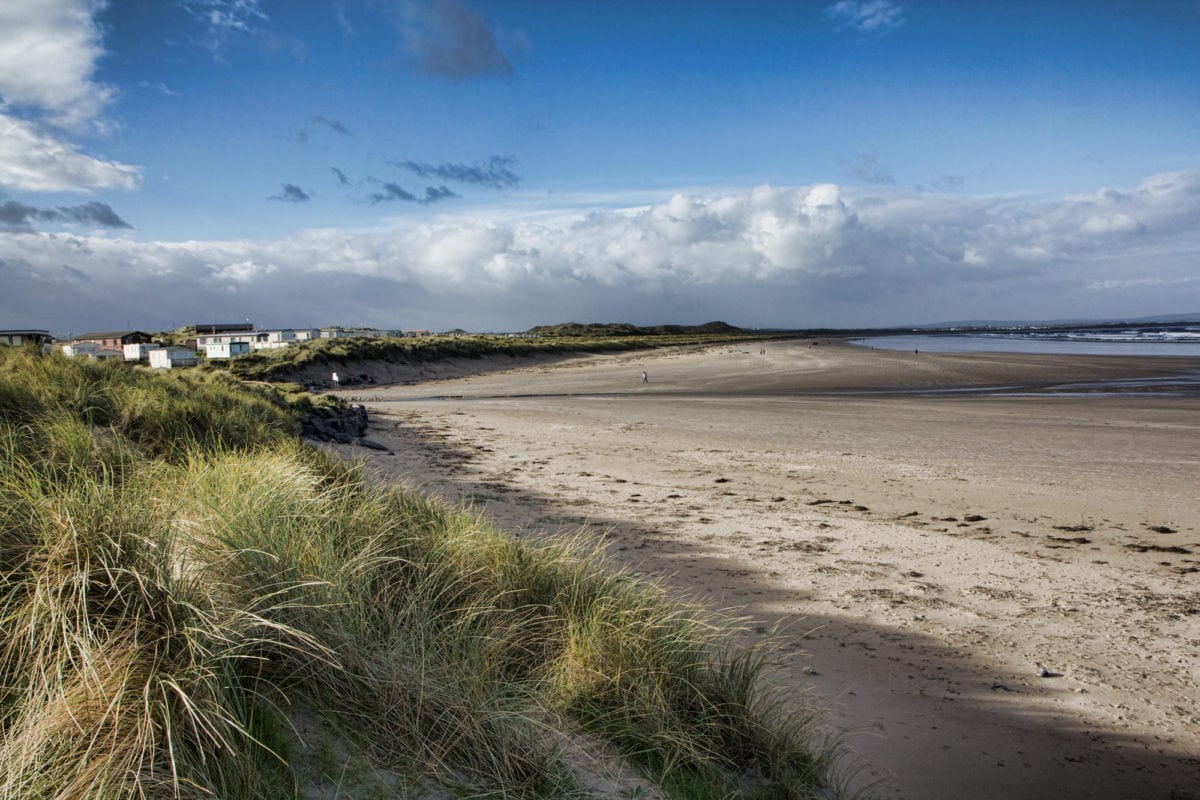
(996, 595)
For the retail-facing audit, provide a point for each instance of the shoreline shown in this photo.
(925, 554)
(797, 367)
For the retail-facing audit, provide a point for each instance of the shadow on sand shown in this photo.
(994, 738)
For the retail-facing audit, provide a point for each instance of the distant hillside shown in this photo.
(625, 329)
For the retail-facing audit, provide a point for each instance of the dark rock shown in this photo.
(338, 425)
(355, 418)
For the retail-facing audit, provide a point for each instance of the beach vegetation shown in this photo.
(196, 604)
(566, 339)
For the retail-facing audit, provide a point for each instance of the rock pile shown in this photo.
(346, 425)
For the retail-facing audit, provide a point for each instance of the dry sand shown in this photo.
(926, 555)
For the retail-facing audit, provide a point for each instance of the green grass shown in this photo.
(183, 580)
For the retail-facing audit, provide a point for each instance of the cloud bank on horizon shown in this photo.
(772, 256)
(476, 198)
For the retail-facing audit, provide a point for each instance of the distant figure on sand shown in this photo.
(335, 380)
(645, 377)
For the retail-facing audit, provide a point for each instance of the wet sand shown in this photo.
(999, 596)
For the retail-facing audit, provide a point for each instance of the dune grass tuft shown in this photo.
(183, 579)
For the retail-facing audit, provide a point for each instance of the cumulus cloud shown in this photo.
(291, 193)
(35, 161)
(805, 256)
(240, 272)
(449, 39)
(497, 172)
(866, 16)
(48, 54)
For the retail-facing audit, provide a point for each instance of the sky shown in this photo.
(498, 164)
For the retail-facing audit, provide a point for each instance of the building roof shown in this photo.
(107, 335)
(223, 327)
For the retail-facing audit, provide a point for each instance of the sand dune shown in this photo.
(999, 595)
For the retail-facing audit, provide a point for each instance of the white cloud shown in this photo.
(1110, 223)
(223, 18)
(226, 15)
(48, 54)
(973, 257)
(32, 160)
(241, 272)
(773, 256)
(866, 16)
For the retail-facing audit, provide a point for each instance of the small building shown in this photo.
(273, 340)
(226, 349)
(116, 339)
(254, 340)
(139, 352)
(91, 351)
(171, 357)
(74, 349)
(211, 328)
(16, 338)
(338, 332)
(206, 340)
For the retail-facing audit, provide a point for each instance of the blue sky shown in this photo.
(495, 165)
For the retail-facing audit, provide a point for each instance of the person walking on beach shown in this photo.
(645, 377)
(335, 380)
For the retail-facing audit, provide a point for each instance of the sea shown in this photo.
(1157, 340)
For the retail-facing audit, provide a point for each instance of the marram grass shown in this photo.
(285, 362)
(183, 580)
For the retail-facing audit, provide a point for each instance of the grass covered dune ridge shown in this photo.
(546, 340)
(185, 584)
